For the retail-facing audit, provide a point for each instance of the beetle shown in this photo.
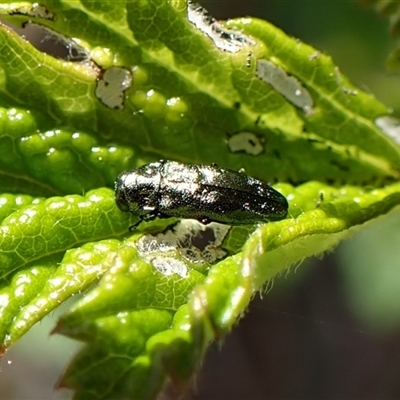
(207, 193)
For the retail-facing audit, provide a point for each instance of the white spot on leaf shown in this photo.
(247, 142)
(34, 10)
(169, 265)
(225, 39)
(286, 85)
(193, 241)
(350, 91)
(110, 89)
(390, 126)
(314, 56)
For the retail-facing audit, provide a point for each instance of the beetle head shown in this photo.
(121, 191)
(137, 191)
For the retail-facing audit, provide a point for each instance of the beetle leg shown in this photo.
(134, 226)
(151, 215)
(162, 215)
(146, 218)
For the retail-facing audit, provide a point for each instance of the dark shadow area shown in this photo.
(302, 343)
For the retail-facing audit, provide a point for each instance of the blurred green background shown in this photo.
(331, 330)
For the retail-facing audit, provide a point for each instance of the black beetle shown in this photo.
(207, 193)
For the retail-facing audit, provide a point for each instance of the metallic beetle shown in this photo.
(207, 193)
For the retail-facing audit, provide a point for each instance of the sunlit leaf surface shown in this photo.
(150, 79)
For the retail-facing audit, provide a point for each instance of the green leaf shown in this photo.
(54, 161)
(159, 78)
(328, 134)
(56, 225)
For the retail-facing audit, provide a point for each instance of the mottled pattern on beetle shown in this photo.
(206, 193)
